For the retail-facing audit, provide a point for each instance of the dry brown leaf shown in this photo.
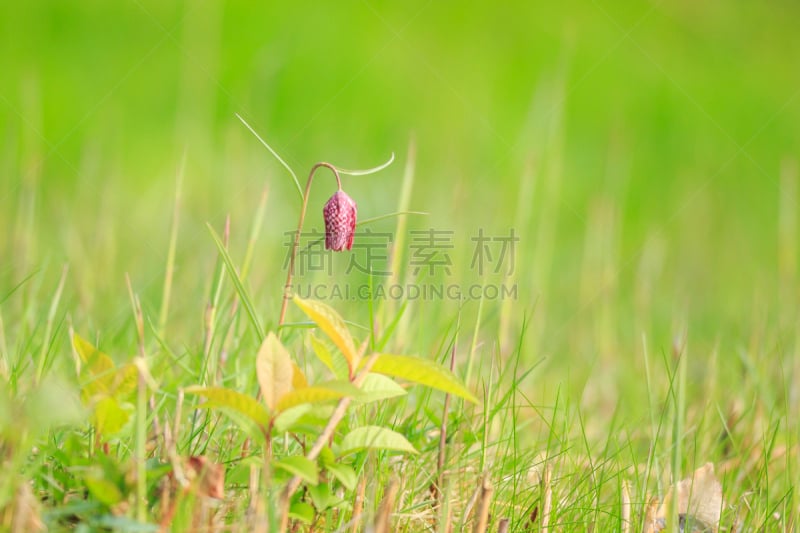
(210, 476)
(699, 499)
(650, 514)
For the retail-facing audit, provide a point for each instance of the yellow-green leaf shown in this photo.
(99, 367)
(109, 417)
(298, 377)
(304, 418)
(377, 387)
(323, 353)
(334, 361)
(274, 369)
(423, 372)
(332, 325)
(125, 380)
(231, 399)
(344, 473)
(84, 348)
(316, 394)
(374, 438)
(297, 465)
(100, 375)
(103, 490)
(302, 511)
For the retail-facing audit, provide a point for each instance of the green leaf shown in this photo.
(241, 403)
(335, 362)
(98, 368)
(274, 370)
(103, 490)
(332, 325)
(125, 381)
(287, 419)
(86, 349)
(391, 327)
(297, 465)
(100, 375)
(237, 283)
(377, 387)
(423, 372)
(302, 511)
(109, 417)
(316, 394)
(304, 418)
(322, 497)
(344, 473)
(374, 438)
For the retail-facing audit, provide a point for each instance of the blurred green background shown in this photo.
(644, 152)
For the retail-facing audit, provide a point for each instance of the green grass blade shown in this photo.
(237, 282)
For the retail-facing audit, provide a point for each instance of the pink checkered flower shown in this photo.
(340, 222)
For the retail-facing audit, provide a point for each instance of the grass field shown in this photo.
(591, 218)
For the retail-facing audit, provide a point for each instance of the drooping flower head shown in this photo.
(340, 222)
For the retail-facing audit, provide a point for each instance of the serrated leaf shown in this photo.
(298, 377)
(422, 371)
(332, 325)
(241, 403)
(297, 465)
(376, 387)
(374, 438)
(109, 417)
(316, 394)
(344, 473)
(274, 369)
(334, 361)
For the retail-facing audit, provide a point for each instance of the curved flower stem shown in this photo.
(287, 289)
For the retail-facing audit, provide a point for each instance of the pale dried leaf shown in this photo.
(699, 501)
(209, 477)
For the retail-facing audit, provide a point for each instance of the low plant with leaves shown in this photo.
(294, 410)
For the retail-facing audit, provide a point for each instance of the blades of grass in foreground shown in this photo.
(48, 330)
(173, 242)
(16, 287)
(210, 316)
(255, 231)
(400, 229)
(390, 328)
(474, 343)
(140, 446)
(679, 356)
(237, 282)
(655, 429)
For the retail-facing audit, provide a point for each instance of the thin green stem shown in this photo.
(287, 288)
